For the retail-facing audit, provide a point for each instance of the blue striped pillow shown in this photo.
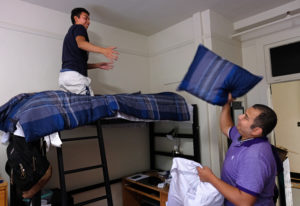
(211, 78)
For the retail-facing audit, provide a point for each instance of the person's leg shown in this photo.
(71, 81)
(89, 88)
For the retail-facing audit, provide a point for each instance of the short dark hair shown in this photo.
(77, 12)
(266, 120)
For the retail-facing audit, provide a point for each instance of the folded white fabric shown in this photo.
(4, 137)
(52, 139)
(186, 189)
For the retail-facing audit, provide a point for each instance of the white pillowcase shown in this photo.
(186, 189)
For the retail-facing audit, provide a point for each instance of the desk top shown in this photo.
(142, 183)
(3, 184)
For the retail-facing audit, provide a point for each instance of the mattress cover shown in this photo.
(43, 113)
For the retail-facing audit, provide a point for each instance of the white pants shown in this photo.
(72, 81)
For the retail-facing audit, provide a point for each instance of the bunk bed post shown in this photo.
(15, 199)
(104, 163)
(152, 139)
(196, 139)
(61, 176)
(36, 200)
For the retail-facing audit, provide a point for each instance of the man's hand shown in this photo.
(205, 174)
(101, 65)
(230, 99)
(104, 65)
(111, 53)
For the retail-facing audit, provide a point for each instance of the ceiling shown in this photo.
(150, 16)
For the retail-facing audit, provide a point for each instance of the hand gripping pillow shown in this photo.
(211, 78)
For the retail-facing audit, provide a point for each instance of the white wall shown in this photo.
(131, 71)
(171, 52)
(30, 50)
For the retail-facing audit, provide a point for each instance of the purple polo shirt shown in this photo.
(250, 166)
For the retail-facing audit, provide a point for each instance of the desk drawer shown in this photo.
(3, 194)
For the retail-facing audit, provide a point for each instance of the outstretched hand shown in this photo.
(111, 53)
(104, 65)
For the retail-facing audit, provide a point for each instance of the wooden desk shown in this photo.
(3, 194)
(134, 193)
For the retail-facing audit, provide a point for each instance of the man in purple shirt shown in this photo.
(249, 168)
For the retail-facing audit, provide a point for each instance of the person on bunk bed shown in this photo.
(73, 75)
(250, 166)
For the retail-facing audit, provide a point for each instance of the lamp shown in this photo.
(172, 136)
(236, 110)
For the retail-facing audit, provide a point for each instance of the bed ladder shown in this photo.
(103, 165)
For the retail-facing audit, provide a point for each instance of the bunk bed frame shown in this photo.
(28, 110)
(194, 136)
(107, 182)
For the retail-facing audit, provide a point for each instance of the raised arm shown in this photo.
(108, 52)
(225, 118)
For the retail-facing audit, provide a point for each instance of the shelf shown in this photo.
(170, 154)
(160, 134)
(295, 185)
(143, 191)
(135, 192)
(296, 180)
